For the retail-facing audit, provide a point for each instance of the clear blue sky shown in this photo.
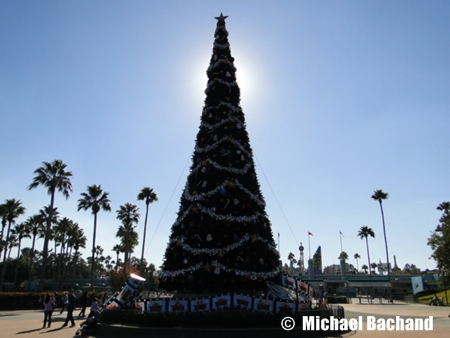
(341, 98)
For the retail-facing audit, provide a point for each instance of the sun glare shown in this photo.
(246, 78)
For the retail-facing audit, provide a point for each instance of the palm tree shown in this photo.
(63, 231)
(343, 256)
(11, 242)
(50, 215)
(54, 177)
(373, 266)
(11, 209)
(108, 263)
(22, 231)
(117, 249)
(149, 196)
(291, 258)
(365, 268)
(99, 260)
(95, 199)
(379, 196)
(128, 214)
(357, 256)
(365, 232)
(3, 214)
(36, 224)
(76, 241)
(129, 240)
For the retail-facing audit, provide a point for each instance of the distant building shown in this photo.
(335, 269)
(382, 268)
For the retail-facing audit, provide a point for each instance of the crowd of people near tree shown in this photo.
(70, 301)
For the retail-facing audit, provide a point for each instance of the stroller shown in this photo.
(89, 324)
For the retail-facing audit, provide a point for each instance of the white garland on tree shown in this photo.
(182, 241)
(216, 165)
(199, 197)
(219, 63)
(223, 103)
(248, 274)
(218, 124)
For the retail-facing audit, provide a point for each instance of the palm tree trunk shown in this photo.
(65, 264)
(385, 241)
(1, 234)
(46, 240)
(30, 267)
(93, 252)
(126, 252)
(145, 230)
(2, 276)
(74, 265)
(17, 266)
(368, 256)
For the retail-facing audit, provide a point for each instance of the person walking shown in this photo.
(64, 301)
(49, 305)
(83, 304)
(70, 308)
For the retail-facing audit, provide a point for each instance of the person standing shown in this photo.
(94, 308)
(70, 308)
(83, 303)
(64, 301)
(49, 305)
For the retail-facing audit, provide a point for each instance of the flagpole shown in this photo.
(309, 246)
(340, 237)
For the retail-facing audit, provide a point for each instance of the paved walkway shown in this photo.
(441, 321)
(28, 324)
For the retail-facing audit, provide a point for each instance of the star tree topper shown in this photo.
(221, 18)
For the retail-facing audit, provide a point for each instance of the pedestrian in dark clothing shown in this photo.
(70, 308)
(104, 298)
(83, 304)
(64, 301)
(49, 305)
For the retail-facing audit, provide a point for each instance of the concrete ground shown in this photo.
(28, 323)
(441, 320)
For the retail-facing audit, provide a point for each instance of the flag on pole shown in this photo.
(310, 233)
(340, 232)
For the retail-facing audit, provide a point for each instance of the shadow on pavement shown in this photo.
(29, 331)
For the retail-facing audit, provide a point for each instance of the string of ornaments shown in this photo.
(222, 190)
(220, 267)
(216, 251)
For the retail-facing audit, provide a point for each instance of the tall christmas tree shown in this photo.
(222, 238)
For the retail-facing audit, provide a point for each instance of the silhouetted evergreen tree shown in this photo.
(222, 238)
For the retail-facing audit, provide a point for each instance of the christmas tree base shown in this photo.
(226, 323)
(144, 332)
